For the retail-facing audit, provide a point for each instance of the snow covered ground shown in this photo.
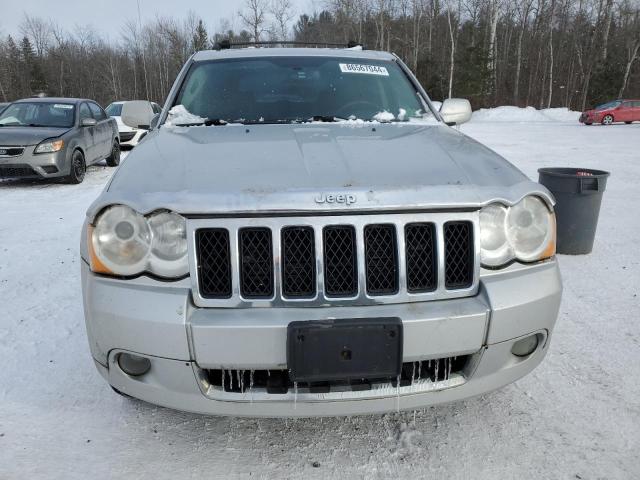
(576, 417)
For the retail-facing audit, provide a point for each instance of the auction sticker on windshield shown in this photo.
(366, 69)
(65, 106)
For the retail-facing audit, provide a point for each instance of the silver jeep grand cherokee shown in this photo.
(302, 234)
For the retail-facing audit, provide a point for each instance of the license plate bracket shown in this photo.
(344, 349)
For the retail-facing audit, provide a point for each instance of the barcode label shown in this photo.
(366, 69)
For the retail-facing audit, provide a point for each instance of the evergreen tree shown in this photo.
(200, 39)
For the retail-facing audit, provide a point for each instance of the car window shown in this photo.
(295, 89)
(85, 112)
(636, 104)
(97, 112)
(114, 110)
(607, 106)
(38, 114)
(627, 104)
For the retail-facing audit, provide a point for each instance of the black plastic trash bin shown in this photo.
(578, 193)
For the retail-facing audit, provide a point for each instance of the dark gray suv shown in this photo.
(55, 137)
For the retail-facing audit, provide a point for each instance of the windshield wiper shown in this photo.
(326, 118)
(207, 123)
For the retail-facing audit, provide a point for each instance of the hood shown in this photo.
(122, 127)
(25, 136)
(311, 167)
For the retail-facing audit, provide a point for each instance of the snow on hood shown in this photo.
(179, 115)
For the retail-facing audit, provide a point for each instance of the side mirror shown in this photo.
(154, 121)
(89, 122)
(455, 111)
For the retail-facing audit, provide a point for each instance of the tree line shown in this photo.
(541, 53)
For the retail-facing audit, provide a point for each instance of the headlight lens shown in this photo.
(169, 246)
(50, 146)
(525, 231)
(125, 243)
(495, 249)
(530, 229)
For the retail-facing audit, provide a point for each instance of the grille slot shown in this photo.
(256, 263)
(298, 262)
(340, 261)
(420, 247)
(381, 259)
(458, 248)
(214, 262)
(17, 171)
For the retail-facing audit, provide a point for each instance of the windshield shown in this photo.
(38, 114)
(607, 106)
(296, 89)
(114, 110)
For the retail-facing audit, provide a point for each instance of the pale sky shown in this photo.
(107, 16)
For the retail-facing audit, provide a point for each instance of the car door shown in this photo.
(90, 136)
(636, 111)
(626, 112)
(103, 128)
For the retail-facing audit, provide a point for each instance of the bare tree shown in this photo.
(254, 17)
(282, 11)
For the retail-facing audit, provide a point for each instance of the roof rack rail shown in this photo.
(226, 44)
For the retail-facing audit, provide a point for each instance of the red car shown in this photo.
(626, 111)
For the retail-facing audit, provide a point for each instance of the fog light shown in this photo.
(133, 364)
(526, 346)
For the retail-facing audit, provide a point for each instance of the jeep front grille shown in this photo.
(337, 260)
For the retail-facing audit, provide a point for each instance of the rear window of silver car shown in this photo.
(296, 89)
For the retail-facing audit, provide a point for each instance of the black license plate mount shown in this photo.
(344, 349)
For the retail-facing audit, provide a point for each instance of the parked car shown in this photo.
(3, 105)
(132, 133)
(304, 235)
(55, 138)
(626, 111)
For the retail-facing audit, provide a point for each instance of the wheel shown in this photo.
(113, 160)
(78, 168)
(607, 120)
(588, 123)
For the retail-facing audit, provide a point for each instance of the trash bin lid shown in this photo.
(573, 180)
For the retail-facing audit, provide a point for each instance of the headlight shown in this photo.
(495, 249)
(125, 243)
(169, 246)
(50, 146)
(525, 231)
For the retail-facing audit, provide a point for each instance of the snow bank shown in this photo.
(509, 113)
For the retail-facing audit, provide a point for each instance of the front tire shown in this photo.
(78, 168)
(607, 120)
(113, 160)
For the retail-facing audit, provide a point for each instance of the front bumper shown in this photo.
(159, 321)
(131, 138)
(30, 165)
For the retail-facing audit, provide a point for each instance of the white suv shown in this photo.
(130, 135)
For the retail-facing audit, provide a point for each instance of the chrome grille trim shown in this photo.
(317, 223)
